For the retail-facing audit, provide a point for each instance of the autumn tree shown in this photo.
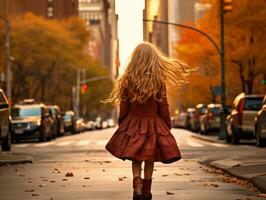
(244, 47)
(48, 54)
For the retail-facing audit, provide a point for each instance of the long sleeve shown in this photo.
(123, 111)
(163, 109)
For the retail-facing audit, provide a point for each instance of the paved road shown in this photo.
(97, 175)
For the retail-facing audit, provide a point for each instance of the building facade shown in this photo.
(154, 32)
(51, 9)
(101, 20)
(176, 11)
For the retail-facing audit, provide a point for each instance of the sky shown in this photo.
(130, 26)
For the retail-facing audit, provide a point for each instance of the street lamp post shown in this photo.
(220, 50)
(222, 133)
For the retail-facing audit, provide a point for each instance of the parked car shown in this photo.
(5, 135)
(241, 121)
(260, 125)
(79, 125)
(70, 121)
(199, 111)
(90, 125)
(181, 120)
(191, 118)
(110, 122)
(210, 120)
(105, 124)
(58, 125)
(30, 121)
(98, 123)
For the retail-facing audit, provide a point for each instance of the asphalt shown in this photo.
(252, 169)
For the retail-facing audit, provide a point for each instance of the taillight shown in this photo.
(210, 115)
(240, 111)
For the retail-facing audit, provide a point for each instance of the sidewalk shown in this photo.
(9, 158)
(251, 169)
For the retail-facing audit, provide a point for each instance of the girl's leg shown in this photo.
(136, 168)
(137, 181)
(148, 169)
(146, 189)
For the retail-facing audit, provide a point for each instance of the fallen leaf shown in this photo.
(120, 179)
(87, 178)
(107, 161)
(103, 170)
(35, 195)
(29, 190)
(211, 184)
(42, 185)
(69, 174)
(169, 193)
(21, 175)
(178, 174)
(64, 179)
(52, 181)
(164, 175)
(45, 179)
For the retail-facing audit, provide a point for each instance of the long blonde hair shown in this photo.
(147, 74)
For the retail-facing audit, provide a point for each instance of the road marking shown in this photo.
(193, 143)
(102, 142)
(218, 145)
(44, 144)
(83, 143)
(63, 143)
(22, 145)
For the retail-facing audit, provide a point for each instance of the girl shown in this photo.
(144, 120)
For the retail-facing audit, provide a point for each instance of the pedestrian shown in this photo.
(144, 119)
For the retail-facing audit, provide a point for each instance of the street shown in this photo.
(78, 167)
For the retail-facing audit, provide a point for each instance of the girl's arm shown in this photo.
(124, 108)
(163, 109)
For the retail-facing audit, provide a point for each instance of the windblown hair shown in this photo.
(147, 74)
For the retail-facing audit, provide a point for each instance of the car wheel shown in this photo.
(42, 137)
(6, 144)
(261, 142)
(235, 135)
(228, 137)
(203, 129)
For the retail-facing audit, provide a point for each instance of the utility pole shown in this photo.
(222, 132)
(77, 93)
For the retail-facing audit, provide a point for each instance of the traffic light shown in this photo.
(84, 88)
(228, 5)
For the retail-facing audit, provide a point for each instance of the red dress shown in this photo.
(144, 133)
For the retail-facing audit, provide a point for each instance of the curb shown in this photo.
(205, 138)
(8, 160)
(258, 181)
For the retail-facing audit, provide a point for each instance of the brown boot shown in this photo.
(137, 185)
(146, 189)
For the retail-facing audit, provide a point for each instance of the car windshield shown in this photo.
(215, 110)
(26, 112)
(202, 110)
(53, 112)
(67, 117)
(253, 103)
